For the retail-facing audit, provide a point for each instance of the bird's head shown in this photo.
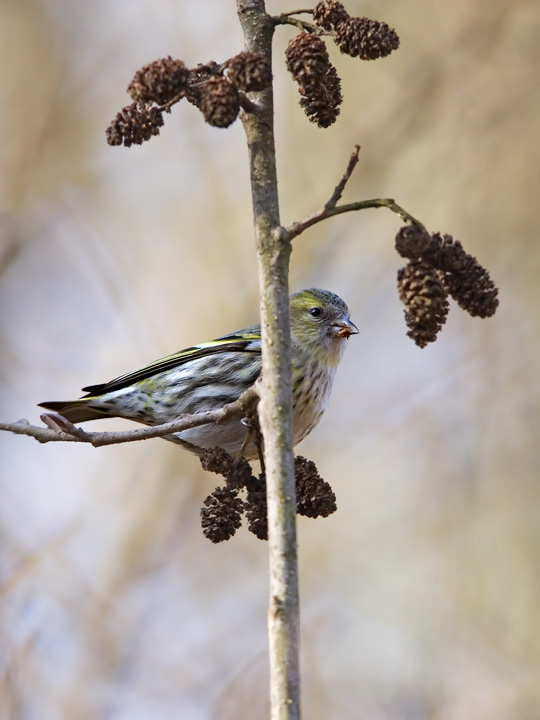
(320, 323)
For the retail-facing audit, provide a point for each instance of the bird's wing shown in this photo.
(248, 340)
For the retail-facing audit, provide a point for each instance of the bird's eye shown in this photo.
(315, 312)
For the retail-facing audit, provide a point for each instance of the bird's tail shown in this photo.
(75, 410)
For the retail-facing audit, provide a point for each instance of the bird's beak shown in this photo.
(345, 328)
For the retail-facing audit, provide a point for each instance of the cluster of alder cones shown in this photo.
(439, 267)
(307, 57)
(217, 89)
(222, 513)
(214, 89)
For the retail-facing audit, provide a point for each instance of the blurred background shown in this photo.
(421, 595)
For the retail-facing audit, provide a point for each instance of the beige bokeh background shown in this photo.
(421, 596)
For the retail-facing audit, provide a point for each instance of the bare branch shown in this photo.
(307, 11)
(61, 430)
(331, 208)
(287, 19)
(298, 227)
(41, 434)
(340, 187)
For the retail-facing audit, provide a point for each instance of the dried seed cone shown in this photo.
(256, 508)
(412, 241)
(314, 496)
(321, 102)
(134, 125)
(426, 304)
(218, 461)
(221, 515)
(159, 81)
(463, 277)
(307, 59)
(365, 38)
(329, 14)
(236, 472)
(197, 78)
(249, 71)
(219, 102)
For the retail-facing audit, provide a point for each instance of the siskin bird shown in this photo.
(209, 375)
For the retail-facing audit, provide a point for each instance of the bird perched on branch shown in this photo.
(212, 374)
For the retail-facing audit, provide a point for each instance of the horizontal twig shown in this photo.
(298, 227)
(287, 19)
(307, 11)
(61, 430)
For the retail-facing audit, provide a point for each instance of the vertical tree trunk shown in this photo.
(275, 408)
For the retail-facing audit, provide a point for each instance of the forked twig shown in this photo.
(331, 207)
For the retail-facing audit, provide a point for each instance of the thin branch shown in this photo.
(331, 208)
(41, 434)
(61, 430)
(340, 187)
(286, 19)
(307, 11)
(298, 227)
